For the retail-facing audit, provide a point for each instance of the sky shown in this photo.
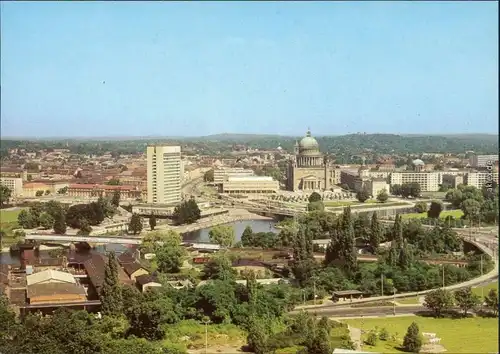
(78, 69)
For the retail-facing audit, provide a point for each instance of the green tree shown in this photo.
(372, 339)
(5, 195)
(375, 232)
(113, 182)
(46, 221)
(466, 300)
(438, 301)
(38, 193)
(222, 235)
(382, 196)
(247, 237)
(53, 208)
(60, 224)
(115, 200)
(471, 209)
(314, 197)
(111, 294)
(316, 206)
(258, 336)
(7, 320)
(152, 221)
(169, 255)
(362, 196)
(135, 224)
(219, 267)
(435, 209)
(209, 176)
(412, 341)
(187, 212)
(85, 228)
(421, 207)
(26, 219)
(491, 301)
(396, 189)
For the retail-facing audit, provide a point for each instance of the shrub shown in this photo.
(384, 334)
(372, 339)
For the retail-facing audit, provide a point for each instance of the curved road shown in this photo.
(365, 311)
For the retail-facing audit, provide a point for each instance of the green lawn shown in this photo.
(457, 214)
(468, 335)
(7, 216)
(485, 289)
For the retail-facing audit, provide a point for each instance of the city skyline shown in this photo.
(197, 69)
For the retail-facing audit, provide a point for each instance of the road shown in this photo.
(365, 311)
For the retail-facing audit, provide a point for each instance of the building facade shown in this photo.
(89, 191)
(480, 179)
(15, 184)
(309, 169)
(249, 185)
(222, 174)
(483, 160)
(164, 174)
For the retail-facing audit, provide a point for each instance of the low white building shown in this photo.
(250, 185)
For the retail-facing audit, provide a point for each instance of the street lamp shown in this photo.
(394, 301)
(206, 321)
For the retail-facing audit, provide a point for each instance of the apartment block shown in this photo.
(428, 181)
(164, 174)
(483, 160)
(222, 174)
(15, 184)
(452, 180)
(480, 179)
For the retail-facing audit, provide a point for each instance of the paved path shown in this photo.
(355, 334)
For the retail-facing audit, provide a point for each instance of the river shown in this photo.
(195, 236)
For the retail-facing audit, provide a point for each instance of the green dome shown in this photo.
(308, 143)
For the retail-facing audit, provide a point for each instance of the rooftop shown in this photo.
(249, 178)
(48, 275)
(53, 289)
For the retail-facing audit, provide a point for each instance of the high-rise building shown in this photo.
(164, 174)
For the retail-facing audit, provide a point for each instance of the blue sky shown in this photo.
(193, 68)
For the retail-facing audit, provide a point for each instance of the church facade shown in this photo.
(309, 169)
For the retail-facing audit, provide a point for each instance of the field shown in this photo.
(8, 223)
(191, 334)
(457, 214)
(8, 216)
(480, 290)
(340, 203)
(468, 335)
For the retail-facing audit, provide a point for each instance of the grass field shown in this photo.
(468, 335)
(457, 214)
(485, 289)
(7, 216)
(340, 203)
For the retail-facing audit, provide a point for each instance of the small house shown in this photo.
(147, 281)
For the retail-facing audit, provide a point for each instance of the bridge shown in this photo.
(89, 239)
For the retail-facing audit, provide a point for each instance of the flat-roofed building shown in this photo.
(95, 190)
(164, 174)
(222, 174)
(480, 179)
(249, 185)
(10, 172)
(428, 181)
(483, 160)
(31, 189)
(15, 184)
(452, 180)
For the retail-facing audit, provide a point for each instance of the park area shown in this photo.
(464, 335)
(8, 223)
(457, 214)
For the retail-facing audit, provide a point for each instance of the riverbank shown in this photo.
(234, 215)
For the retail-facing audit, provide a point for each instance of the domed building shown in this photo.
(309, 169)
